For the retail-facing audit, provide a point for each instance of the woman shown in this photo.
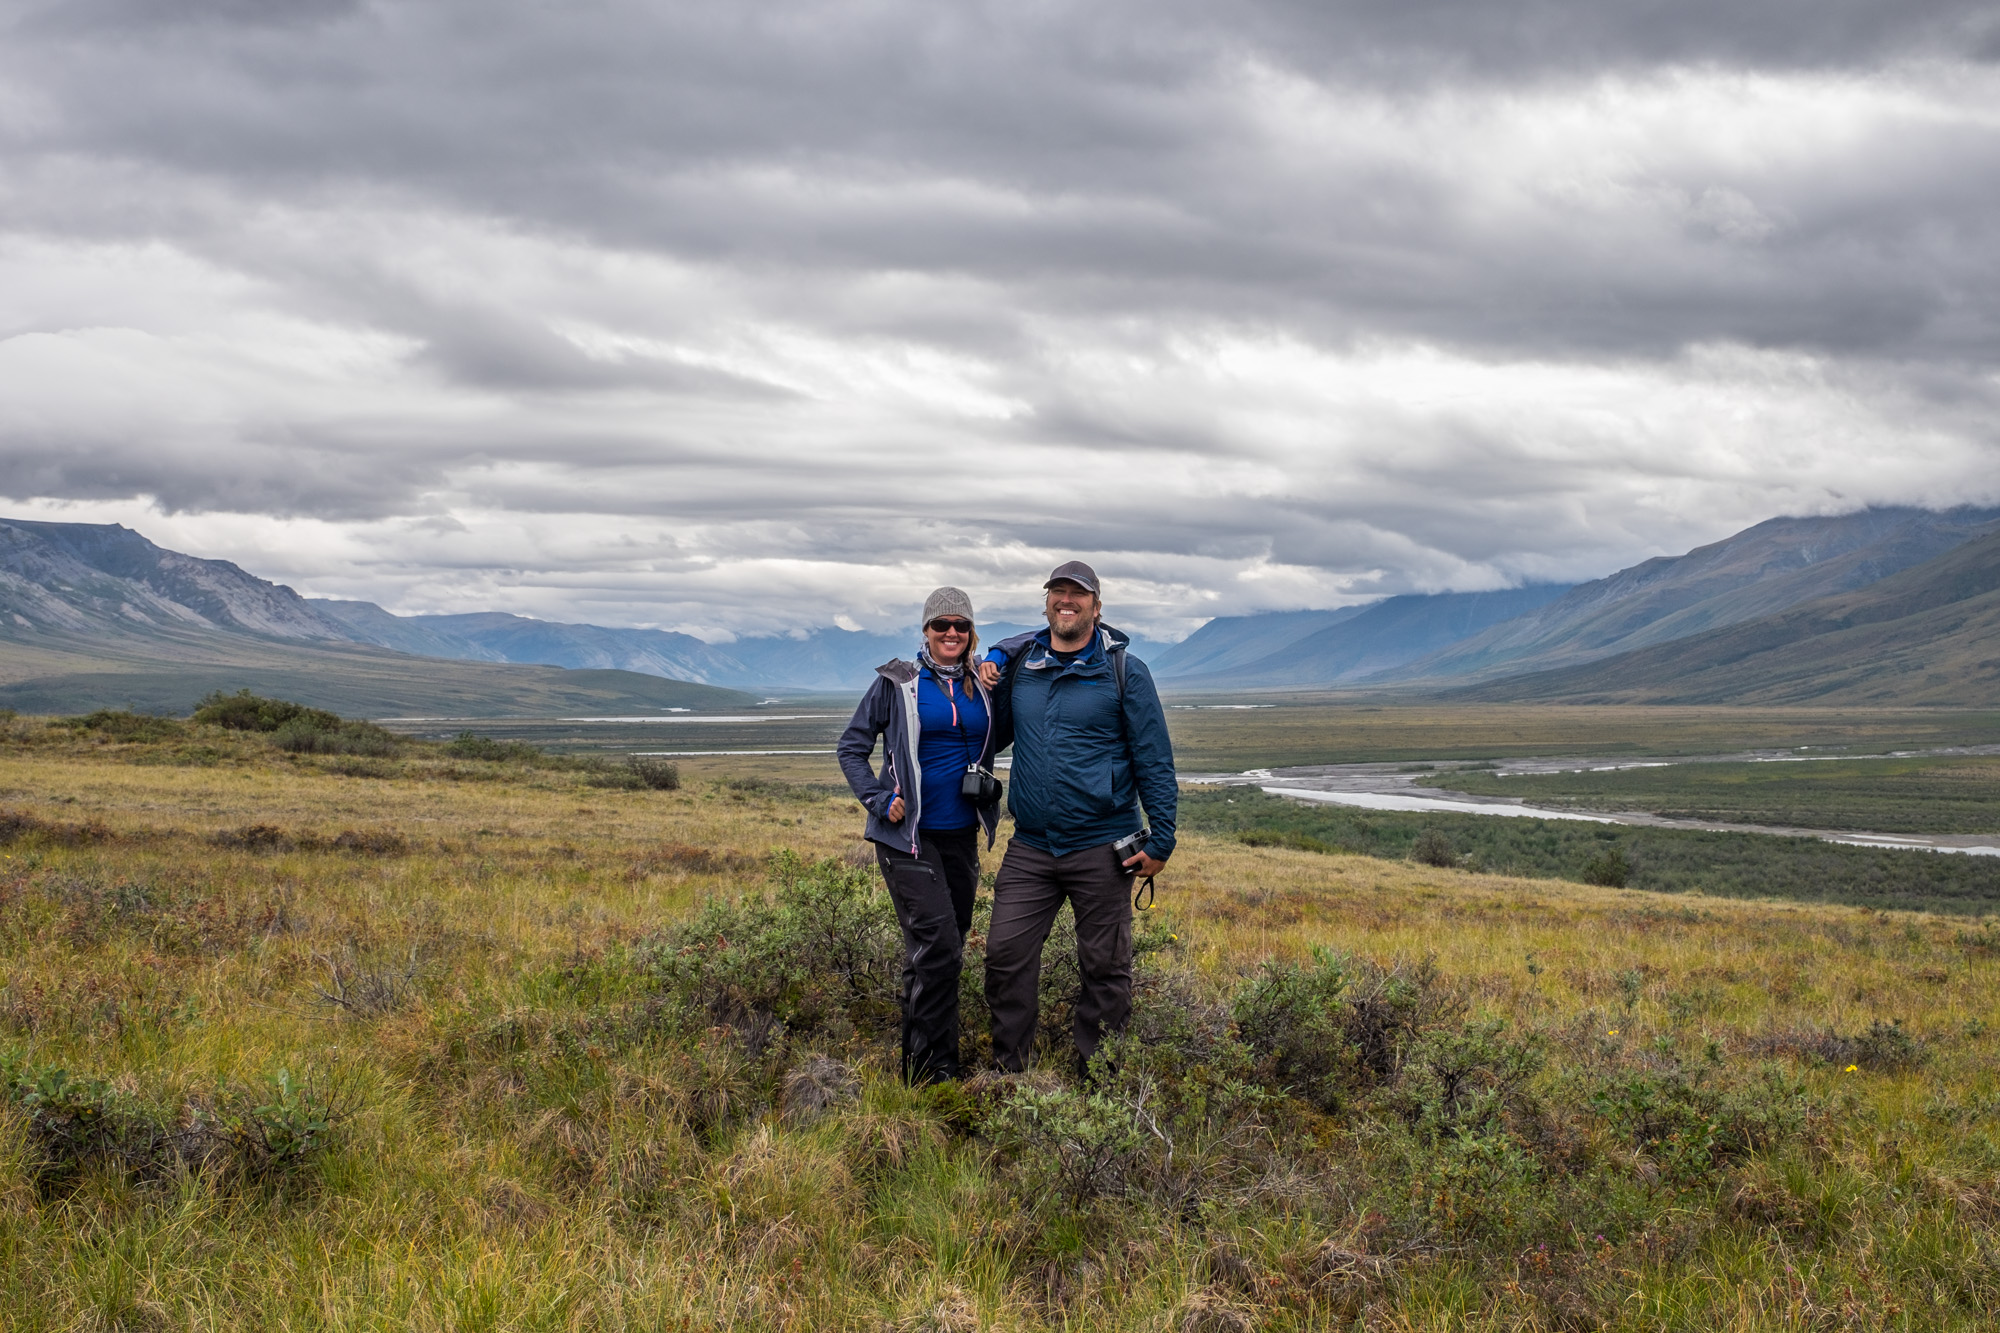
(935, 725)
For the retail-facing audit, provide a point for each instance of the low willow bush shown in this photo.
(117, 724)
(295, 728)
(74, 1123)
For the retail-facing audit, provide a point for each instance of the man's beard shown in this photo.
(1085, 623)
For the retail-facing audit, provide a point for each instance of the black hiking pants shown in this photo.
(933, 893)
(1031, 887)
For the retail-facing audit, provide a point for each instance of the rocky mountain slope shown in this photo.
(95, 615)
(1929, 634)
(1758, 572)
(101, 578)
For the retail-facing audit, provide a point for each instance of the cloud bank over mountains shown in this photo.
(730, 319)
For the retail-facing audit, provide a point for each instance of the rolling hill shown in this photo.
(1929, 634)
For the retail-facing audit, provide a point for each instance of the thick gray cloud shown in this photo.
(701, 315)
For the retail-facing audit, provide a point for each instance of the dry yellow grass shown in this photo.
(448, 1208)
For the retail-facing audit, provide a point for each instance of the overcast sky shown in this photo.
(740, 317)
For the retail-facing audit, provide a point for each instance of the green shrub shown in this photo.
(655, 773)
(1883, 1048)
(75, 1123)
(295, 728)
(1432, 848)
(1339, 1025)
(1691, 1123)
(304, 736)
(599, 772)
(1887, 1046)
(1293, 1019)
(244, 711)
(1066, 1145)
(121, 725)
(1464, 1082)
(470, 745)
(821, 957)
(1609, 868)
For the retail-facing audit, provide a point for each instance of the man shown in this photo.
(1089, 747)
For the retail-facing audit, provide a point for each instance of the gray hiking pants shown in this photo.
(1031, 887)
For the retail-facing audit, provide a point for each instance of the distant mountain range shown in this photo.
(823, 658)
(1526, 637)
(76, 597)
(1881, 605)
(1352, 644)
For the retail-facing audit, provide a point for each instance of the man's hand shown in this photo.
(989, 674)
(1146, 865)
(895, 815)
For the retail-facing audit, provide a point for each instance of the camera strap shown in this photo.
(1145, 890)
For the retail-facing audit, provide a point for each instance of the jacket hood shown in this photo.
(898, 671)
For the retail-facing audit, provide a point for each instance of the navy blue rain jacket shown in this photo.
(1083, 763)
(889, 710)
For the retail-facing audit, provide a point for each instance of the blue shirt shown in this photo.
(951, 731)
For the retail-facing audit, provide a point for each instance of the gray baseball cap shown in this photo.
(1075, 571)
(947, 602)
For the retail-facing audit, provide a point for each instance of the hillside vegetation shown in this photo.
(291, 1039)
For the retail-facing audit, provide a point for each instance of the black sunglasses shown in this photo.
(943, 626)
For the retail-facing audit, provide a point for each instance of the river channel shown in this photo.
(1389, 786)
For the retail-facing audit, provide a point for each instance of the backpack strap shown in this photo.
(1117, 656)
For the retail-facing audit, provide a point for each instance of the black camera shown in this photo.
(979, 787)
(1128, 847)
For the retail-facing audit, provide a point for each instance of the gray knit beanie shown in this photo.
(946, 602)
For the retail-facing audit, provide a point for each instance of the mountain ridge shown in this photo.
(1763, 569)
(74, 595)
(1928, 634)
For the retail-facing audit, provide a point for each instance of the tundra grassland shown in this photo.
(1235, 732)
(1660, 860)
(1219, 733)
(1915, 794)
(292, 1039)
